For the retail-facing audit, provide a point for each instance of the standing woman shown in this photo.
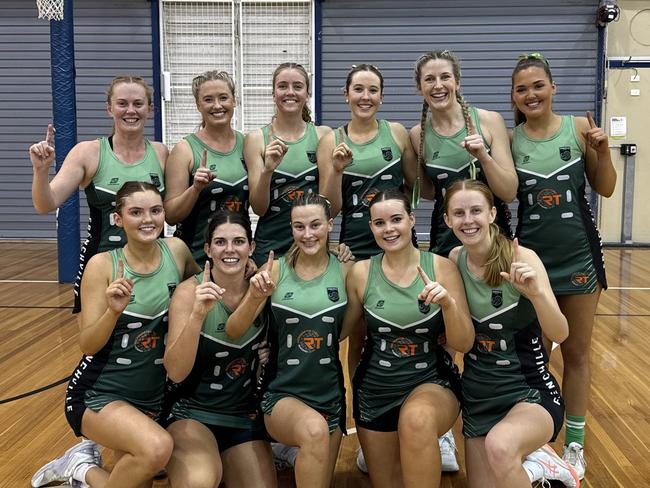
(555, 156)
(511, 403)
(304, 400)
(458, 142)
(206, 170)
(217, 431)
(406, 388)
(281, 159)
(116, 393)
(362, 158)
(101, 167)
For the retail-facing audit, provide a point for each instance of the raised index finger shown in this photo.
(120, 269)
(269, 262)
(592, 122)
(424, 276)
(49, 135)
(271, 135)
(204, 159)
(206, 272)
(341, 135)
(515, 249)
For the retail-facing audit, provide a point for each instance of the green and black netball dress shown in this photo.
(555, 218)
(507, 363)
(229, 189)
(220, 388)
(306, 320)
(402, 348)
(376, 166)
(111, 174)
(447, 161)
(296, 175)
(130, 365)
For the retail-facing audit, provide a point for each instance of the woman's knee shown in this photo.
(314, 432)
(155, 452)
(500, 455)
(417, 423)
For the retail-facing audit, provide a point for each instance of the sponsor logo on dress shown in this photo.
(380, 304)
(369, 195)
(548, 198)
(233, 203)
(309, 341)
(436, 155)
(291, 192)
(221, 327)
(146, 341)
(525, 159)
(484, 343)
(423, 307)
(236, 368)
(114, 181)
(311, 155)
(333, 294)
(565, 153)
(288, 296)
(155, 179)
(387, 152)
(497, 298)
(579, 278)
(403, 347)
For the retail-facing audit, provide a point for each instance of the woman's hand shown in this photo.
(342, 154)
(522, 275)
(274, 152)
(118, 293)
(207, 293)
(203, 175)
(42, 153)
(433, 292)
(261, 285)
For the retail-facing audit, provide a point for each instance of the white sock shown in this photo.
(80, 471)
(533, 470)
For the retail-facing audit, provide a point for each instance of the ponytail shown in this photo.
(500, 257)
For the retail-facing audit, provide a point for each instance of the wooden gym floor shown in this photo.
(38, 347)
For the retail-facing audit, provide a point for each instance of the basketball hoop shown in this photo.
(50, 9)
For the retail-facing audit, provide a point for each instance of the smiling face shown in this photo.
(469, 215)
(142, 216)
(437, 84)
(532, 92)
(391, 225)
(129, 107)
(310, 227)
(364, 94)
(216, 103)
(229, 248)
(290, 90)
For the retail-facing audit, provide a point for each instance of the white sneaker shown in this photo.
(574, 455)
(447, 444)
(61, 469)
(284, 457)
(361, 461)
(553, 467)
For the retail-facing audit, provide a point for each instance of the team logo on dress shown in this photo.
(403, 347)
(155, 179)
(288, 296)
(311, 155)
(309, 341)
(579, 279)
(236, 368)
(291, 192)
(380, 304)
(370, 194)
(423, 307)
(387, 152)
(484, 343)
(565, 153)
(171, 287)
(146, 341)
(333, 294)
(548, 198)
(497, 298)
(233, 204)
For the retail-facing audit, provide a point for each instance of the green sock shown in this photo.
(575, 430)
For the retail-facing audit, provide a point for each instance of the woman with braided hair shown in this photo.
(457, 141)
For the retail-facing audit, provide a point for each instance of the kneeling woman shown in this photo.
(511, 402)
(304, 401)
(217, 432)
(406, 388)
(116, 393)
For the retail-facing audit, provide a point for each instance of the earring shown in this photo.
(347, 101)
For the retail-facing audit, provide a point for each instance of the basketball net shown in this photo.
(50, 9)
